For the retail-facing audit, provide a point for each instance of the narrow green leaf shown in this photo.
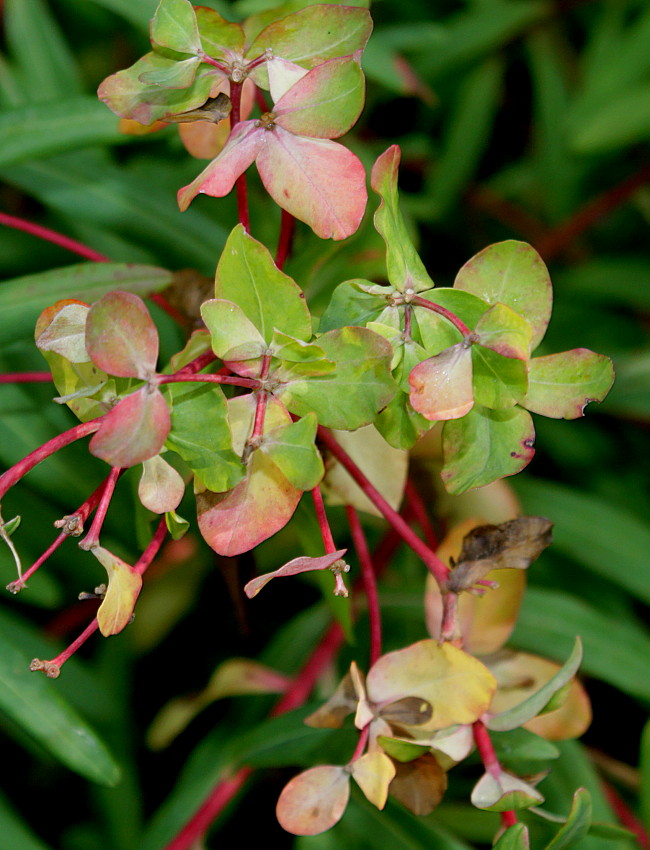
(616, 123)
(404, 267)
(32, 701)
(486, 445)
(535, 704)
(15, 832)
(578, 822)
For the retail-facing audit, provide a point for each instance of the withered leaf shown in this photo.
(215, 109)
(511, 545)
(409, 711)
(419, 785)
(340, 705)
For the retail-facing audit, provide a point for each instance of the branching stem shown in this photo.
(91, 540)
(188, 377)
(418, 301)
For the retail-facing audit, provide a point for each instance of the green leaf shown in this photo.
(33, 704)
(174, 27)
(24, 298)
(219, 38)
(293, 451)
(401, 749)
(176, 525)
(499, 381)
(352, 304)
(234, 336)
(400, 425)
(486, 445)
(504, 793)
(174, 75)
(578, 822)
(535, 704)
(247, 275)
(597, 533)
(621, 121)
(514, 274)
(561, 385)
(436, 331)
(403, 265)
(507, 333)
(361, 377)
(514, 838)
(520, 745)
(200, 434)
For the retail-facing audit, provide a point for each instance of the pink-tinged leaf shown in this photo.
(161, 488)
(282, 76)
(324, 103)
(504, 793)
(66, 334)
(253, 511)
(314, 801)
(121, 337)
(124, 585)
(134, 430)
(505, 331)
(458, 687)
(293, 568)
(561, 385)
(514, 274)
(373, 773)
(218, 178)
(441, 387)
(316, 180)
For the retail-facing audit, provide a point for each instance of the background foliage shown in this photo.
(526, 120)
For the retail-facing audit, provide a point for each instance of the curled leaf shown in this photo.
(124, 585)
(504, 793)
(292, 568)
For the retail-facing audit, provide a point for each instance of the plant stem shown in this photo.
(54, 237)
(260, 405)
(200, 362)
(180, 377)
(323, 522)
(491, 763)
(369, 582)
(287, 229)
(240, 184)
(420, 513)
(25, 378)
(418, 301)
(433, 563)
(361, 743)
(13, 475)
(91, 540)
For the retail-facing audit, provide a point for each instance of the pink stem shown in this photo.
(421, 515)
(19, 584)
(164, 304)
(260, 407)
(54, 237)
(433, 563)
(361, 743)
(92, 538)
(323, 522)
(240, 183)
(418, 301)
(200, 362)
(287, 229)
(491, 763)
(369, 582)
(153, 548)
(181, 377)
(13, 475)
(25, 378)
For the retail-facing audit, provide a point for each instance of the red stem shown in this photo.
(418, 301)
(200, 362)
(182, 377)
(13, 475)
(323, 522)
(361, 743)
(626, 816)
(260, 406)
(25, 377)
(420, 513)
(491, 763)
(287, 229)
(433, 563)
(240, 184)
(92, 538)
(369, 582)
(54, 237)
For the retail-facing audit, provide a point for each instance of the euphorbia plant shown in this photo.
(266, 402)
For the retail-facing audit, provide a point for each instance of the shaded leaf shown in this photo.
(514, 274)
(504, 793)
(292, 568)
(561, 385)
(121, 337)
(419, 785)
(441, 387)
(161, 488)
(404, 267)
(124, 585)
(512, 545)
(134, 430)
(340, 705)
(314, 801)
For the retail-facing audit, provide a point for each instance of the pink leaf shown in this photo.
(260, 505)
(314, 801)
(134, 430)
(318, 181)
(293, 568)
(441, 387)
(121, 337)
(218, 178)
(282, 76)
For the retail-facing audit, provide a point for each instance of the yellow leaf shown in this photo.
(373, 773)
(124, 585)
